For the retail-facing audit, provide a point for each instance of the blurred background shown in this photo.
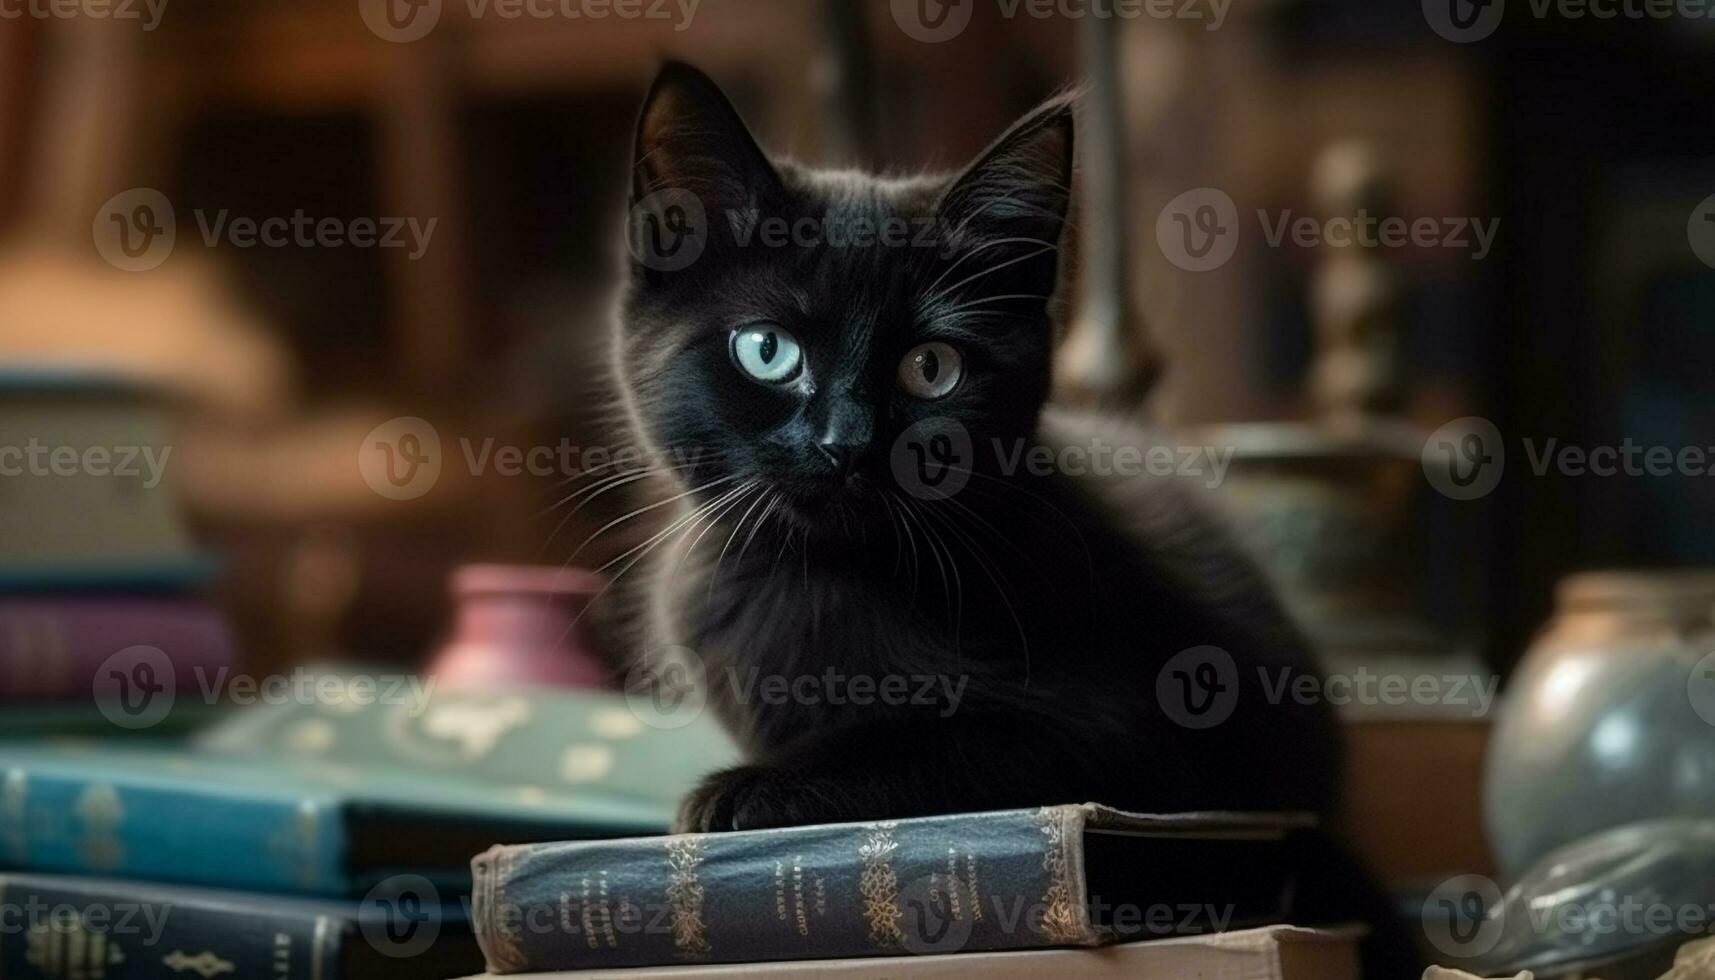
(498, 135)
(1584, 137)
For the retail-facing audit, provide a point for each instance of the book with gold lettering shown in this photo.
(61, 927)
(1071, 875)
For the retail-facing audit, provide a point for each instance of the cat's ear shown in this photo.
(1021, 186)
(690, 138)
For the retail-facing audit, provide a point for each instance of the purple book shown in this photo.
(53, 648)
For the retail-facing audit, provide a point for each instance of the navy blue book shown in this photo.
(67, 927)
(1072, 875)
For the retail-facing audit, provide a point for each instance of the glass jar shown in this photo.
(1610, 717)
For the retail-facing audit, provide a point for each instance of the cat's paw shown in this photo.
(719, 802)
(757, 798)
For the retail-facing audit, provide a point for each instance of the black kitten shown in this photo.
(905, 604)
(812, 382)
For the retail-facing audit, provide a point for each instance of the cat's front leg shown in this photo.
(889, 771)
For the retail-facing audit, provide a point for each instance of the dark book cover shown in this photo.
(1072, 875)
(71, 928)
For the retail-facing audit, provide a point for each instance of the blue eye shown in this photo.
(767, 353)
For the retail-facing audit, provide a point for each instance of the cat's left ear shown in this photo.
(1021, 186)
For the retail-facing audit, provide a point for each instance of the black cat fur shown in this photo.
(1054, 599)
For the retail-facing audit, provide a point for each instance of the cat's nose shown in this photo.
(842, 456)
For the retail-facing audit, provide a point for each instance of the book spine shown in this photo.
(54, 647)
(1006, 880)
(63, 820)
(58, 930)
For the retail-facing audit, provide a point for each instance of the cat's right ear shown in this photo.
(690, 138)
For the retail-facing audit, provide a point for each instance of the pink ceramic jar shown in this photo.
(519, 625)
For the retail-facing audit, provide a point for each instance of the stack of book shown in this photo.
(1072, 891)
(325, 835)
(100, 617)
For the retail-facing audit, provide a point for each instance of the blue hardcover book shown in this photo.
(1072, 875)
(60, 928)
(270, 825)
